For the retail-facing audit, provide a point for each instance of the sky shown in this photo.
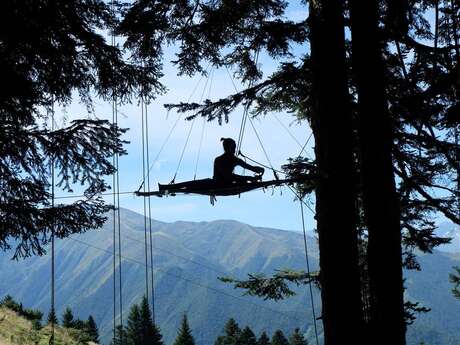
(270, 208)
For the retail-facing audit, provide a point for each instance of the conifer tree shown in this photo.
(263, 339)
(414, 93)
(297, 338)
(184, 336)
(247, 337)
(91, 329)
(79, 324)
(232, 329)
(149, 331)
(278, 338)
(231, 334)
(120, 337)
(134, 329)
(52, 52)
(52, 318)
(455, 279)
(67, 318)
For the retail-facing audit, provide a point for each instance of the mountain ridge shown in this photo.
(189, 256)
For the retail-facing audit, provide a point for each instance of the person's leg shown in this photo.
(245, 179)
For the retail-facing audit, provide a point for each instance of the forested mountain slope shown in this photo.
(188, 259)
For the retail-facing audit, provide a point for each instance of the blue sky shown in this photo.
(269, 209)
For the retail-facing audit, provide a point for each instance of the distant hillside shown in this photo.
(188, 259)
(15, 330)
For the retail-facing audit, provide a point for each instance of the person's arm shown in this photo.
(256, 169)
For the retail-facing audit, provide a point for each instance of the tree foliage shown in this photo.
(297, 338)
(30, 314)
(421, 91)
(91, 330)
(184, 335)
(67, 318)
(455, 279)
(279, 338)
(140, 329)
(52, 52)
(52, 318)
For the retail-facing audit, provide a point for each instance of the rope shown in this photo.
(288, 131)
(150, 215)
(53, 309)
(145, 201)
(263, 148)
(307, 261)
(187, 140)
(244, 116)
(305, 145)
(163, 145)
(116, 215)
(203, 127)
(119, 231)
(183, 150)
(114, 221)
(262, 165)
(244, 119)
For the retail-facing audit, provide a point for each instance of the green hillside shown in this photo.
(16, 330)
(188, 259)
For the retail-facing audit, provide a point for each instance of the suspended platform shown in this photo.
(211, 187)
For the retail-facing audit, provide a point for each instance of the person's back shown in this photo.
(226, 163)
(224, 166)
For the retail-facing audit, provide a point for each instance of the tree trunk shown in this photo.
(335, 194)
(381, 206)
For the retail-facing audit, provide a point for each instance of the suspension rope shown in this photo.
(163, 145)
(244, 119)
(114, 221)
(261, 164)
(53, 309)
(288, 131)
(120, 292)
(183, 150)
(187, 140)
(305, 145)
(145, 201)
(307, 261)
(263, 148)
(116, 214)
(203, 127)
(150, 214)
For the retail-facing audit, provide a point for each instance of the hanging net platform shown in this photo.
(211, 187)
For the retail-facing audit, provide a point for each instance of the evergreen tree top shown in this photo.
(184, 335)
(92, 330)
(297, 338)
(67, 318)
(231, 328)
(263, 339)
(247, 337)
(278, 338)
(52, 318)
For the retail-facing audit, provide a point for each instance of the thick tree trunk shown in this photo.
(381, 204)
(335, 195)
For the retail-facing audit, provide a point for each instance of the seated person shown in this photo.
(226, 163)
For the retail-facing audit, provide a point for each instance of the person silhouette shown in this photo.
(226, 163)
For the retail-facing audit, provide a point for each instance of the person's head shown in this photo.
(229, 145)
